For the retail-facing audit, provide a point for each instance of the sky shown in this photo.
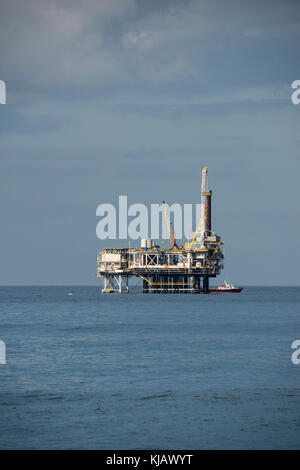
(134, 97)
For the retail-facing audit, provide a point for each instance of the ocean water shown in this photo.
(149, 371)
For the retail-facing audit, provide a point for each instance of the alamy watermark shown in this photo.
(136, 221)
(296, 354)
(295, 97)
(2, 92)
(2, 352)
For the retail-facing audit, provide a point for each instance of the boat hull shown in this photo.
(221, 291)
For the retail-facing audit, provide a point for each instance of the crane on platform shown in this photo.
(170, 227)
(199, 228)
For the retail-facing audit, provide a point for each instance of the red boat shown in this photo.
(226, 287)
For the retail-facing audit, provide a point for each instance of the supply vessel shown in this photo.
(226, 287)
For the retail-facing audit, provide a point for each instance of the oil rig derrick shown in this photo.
(180, 269)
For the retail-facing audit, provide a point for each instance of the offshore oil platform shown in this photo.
(180, 269)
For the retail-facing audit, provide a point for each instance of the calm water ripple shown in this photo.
(154, 372)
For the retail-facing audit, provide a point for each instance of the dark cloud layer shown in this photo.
(108, 44)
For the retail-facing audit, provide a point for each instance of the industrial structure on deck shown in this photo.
(180, 269)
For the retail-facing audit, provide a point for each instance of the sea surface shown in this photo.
(150, 371)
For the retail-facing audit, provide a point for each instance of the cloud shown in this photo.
(142, 39)
(203, 19)
(179, 111)
(12, 121)
(47, 46)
